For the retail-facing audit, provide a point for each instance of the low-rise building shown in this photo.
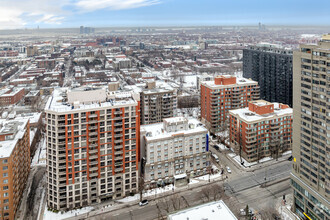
(14, 164)
(263, 129)
(12, 96)
(174, 150)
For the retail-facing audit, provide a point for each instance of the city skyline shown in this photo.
(72, 13)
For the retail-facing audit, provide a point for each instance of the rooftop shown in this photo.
(239, 82)
(64, 99)
(251, 116)
(160, 130)
(210, 211)
(13, 130)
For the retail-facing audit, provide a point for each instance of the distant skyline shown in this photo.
(17, 14)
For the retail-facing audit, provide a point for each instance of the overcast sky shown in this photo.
(107, 13)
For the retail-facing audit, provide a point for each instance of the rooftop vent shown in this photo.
(249, 114)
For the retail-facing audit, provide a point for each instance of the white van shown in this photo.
(216, 158)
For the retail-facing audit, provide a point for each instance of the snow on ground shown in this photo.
(206, 177)
(222, 147)
(40, 154)
(190, 81)
(151, 192)
(247, 164)
(32, 134)
(192, 181)
(49, 215)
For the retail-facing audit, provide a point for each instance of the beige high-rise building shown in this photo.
(92, 146)
(311, 126)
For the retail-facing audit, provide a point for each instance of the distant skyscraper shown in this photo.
(81, 29)
(86, 30)
(311, 136)
(271, 67)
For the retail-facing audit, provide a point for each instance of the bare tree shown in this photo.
(176, 202)
(269, 213)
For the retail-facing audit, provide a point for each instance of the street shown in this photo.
(241, 189)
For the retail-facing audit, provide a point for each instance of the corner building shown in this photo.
(264, 129)
(92, 146)
(175, 150)
(311, 130)
(14, 165)
(225, 93)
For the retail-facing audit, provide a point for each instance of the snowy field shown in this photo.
(206, 177)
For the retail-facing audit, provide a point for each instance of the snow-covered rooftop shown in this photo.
(14, 131)
(239, 82)
(250, 116)
(210, 211)
(58, 101)
(159, 131)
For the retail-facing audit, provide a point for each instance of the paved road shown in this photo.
(245, 187)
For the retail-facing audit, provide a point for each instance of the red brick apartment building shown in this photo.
(223, 94)
(263, 129)
(14, 165)
(11, 96)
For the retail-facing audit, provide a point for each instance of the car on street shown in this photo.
(228, 169)
(290, 158)
(216, 158)
(143, 202)
(216, 147)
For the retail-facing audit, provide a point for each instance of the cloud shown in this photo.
(16, 14)
(92, 5)
(21, 13)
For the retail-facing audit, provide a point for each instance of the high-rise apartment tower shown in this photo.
(311, 130)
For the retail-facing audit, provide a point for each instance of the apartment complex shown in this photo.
(14, 164)
(11, 96)
(264, 129)
(311, 140)
(223, 94)
(174, 150)
(271, 66)
(157, 103)
(92, 146)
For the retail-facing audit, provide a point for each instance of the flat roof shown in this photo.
(15, 127)
(250, 116)
(210, 211)
(239, 82)
(58, 103)
(157, 131)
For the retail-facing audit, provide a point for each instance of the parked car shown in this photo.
(290, 158)
(143, 202)
(228, 169)
(216, 147)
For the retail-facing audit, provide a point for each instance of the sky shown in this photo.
(16, 14)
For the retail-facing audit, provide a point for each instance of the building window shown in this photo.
(5, 174)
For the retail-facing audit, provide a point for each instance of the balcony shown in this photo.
(93, 139)
(118, 135)
(92, 115)
(94, 162)
(118, 141)
(94, 156)
(93, 151)
(119, 169)
(92, 121)
(93, 174)
(92, 127)
(92, 145)
(95, 168)
(92, 133)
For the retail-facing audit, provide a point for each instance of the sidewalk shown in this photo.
(114, 205)
(284, 208)
(254, 166)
